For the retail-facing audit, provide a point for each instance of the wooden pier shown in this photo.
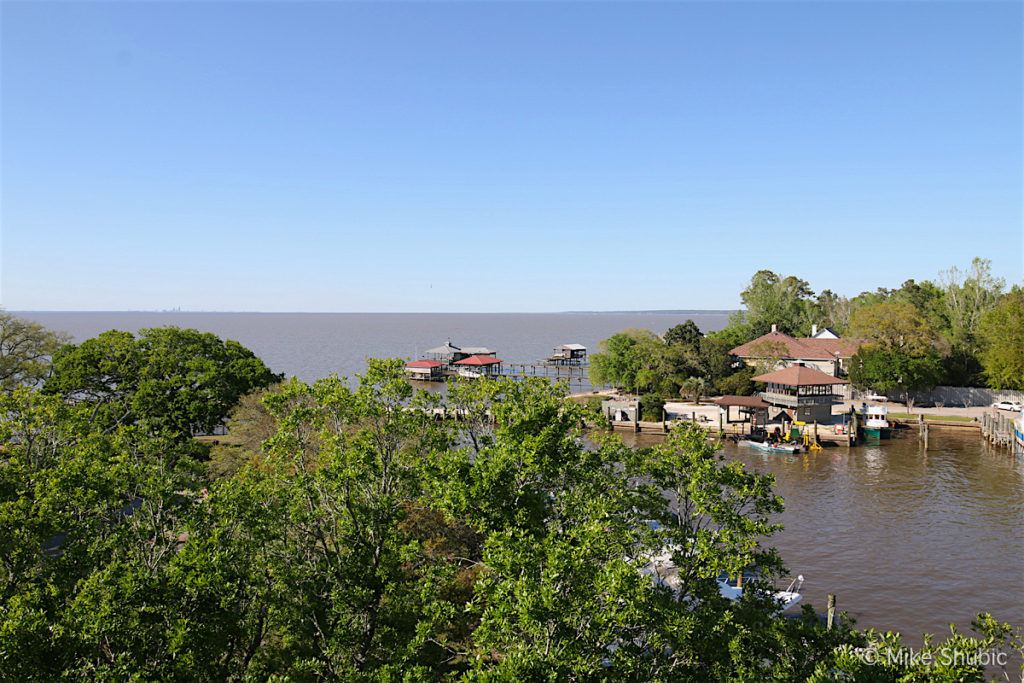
(573, 374)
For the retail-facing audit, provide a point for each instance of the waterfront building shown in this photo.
(807, 394)
(621, 409)
(468, 351)
(425, 370)
(449, 354)
(445, 354)
(827, 354)
(479, 366)
(569, 354)
(752, 410)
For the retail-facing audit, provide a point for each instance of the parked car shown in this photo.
(1008, 405)
(872, 396)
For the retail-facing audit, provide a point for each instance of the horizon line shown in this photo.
(653, 311)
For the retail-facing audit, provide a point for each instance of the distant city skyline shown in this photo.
(476, 157)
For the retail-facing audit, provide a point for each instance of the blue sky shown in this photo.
(500, 156)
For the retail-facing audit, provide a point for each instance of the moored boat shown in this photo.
(876, 423)
(770, 447)
(1018, 431)
(664, 572)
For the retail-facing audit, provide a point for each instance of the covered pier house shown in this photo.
(753, 410)
(425, 370)
(478, 366)
(805, 393)
(569, 354)
(449, 354)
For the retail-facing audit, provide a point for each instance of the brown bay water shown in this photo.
(907, 540)
(314, 345)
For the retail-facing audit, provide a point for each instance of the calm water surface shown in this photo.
(313, 345)
(907, 540)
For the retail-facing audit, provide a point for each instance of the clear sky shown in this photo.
(500, 156)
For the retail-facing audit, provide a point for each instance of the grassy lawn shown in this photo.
(929, 417)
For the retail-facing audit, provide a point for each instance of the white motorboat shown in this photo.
(772, 448)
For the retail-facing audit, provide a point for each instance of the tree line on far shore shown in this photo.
(965, 329)
(340, 532)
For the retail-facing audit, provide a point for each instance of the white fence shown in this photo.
(963, 396)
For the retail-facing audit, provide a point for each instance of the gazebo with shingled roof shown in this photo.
(806, 393)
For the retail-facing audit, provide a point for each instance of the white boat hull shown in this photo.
(769, 448)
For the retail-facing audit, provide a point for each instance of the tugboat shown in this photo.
(876, 424)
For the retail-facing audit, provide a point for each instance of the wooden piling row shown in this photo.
(997, 429)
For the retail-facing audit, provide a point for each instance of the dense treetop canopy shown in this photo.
(353, 536)
(169, 380)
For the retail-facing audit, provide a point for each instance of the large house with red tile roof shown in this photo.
(828, 354)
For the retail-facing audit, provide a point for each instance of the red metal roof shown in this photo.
(423, 364)
(799, 376)
(479, 360)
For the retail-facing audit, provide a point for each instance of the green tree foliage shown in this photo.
(832, 310)
(786, 302)
(719, 367)
(625, 360)
(895, 326)
(26, 351)
(686, 334)
(88, 525)
(249, 424)
(967, 297)
(739, 383)
(901, 349)
(652, 407)
(1001, 333)
(329, 580)
(639, 360)
(769, 355)
(892, 371)
(168, 380)
(954, 309)
(695, 387)
(373, 542)
(884, 658)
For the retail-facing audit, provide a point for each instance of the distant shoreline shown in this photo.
(191, 312)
